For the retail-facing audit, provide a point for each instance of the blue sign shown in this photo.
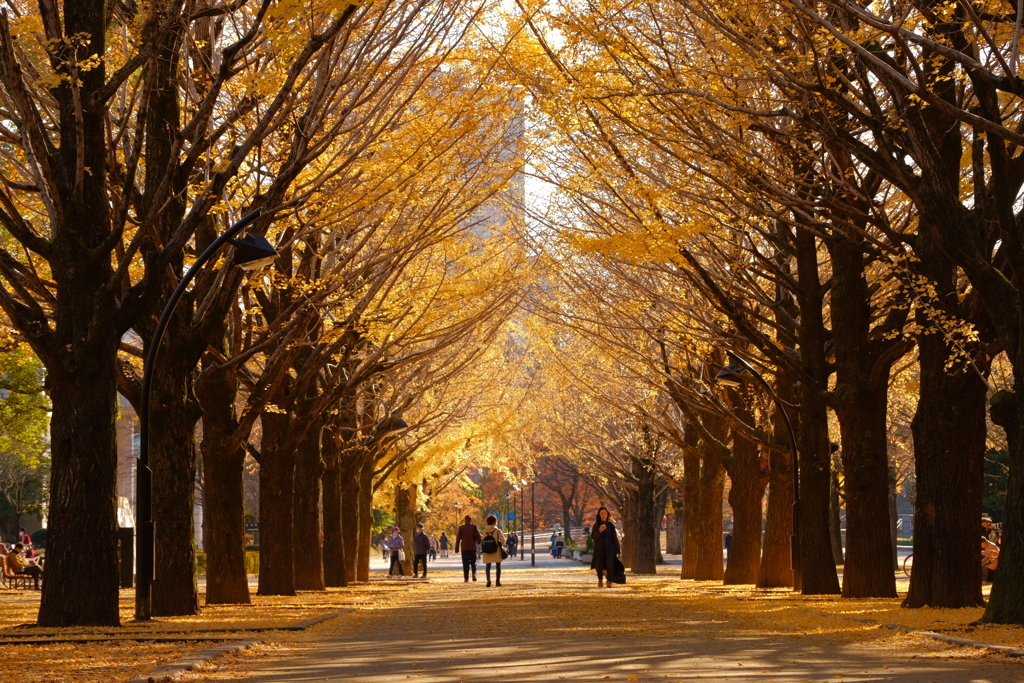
(511, 516)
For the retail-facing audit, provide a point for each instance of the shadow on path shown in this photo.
(540, 627)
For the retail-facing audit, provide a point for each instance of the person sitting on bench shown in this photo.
(19, 565)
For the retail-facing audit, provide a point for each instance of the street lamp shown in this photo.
(508, 499)
(251, 253)
(522, 526)
(457, 506)
(731, 376)
(533, 523)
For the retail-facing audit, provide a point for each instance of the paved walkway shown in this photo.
(552, 623)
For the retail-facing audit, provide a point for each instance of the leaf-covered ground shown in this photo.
(557, 625)
(118, 654)
(542, 624)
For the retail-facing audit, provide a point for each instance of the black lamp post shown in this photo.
(457, 506)
(251, 253)
(533, 523)
(522, 525)
(731, 376)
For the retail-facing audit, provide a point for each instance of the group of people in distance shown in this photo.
(490, 543)
(18, 559)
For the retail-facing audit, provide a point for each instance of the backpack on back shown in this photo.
(489, 544)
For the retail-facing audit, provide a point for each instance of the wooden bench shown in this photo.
(11, 580)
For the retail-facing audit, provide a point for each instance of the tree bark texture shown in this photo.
(172, 415)
(405, 517)
(691, 515)
(365, 520)
(709, 524)
(674, 528)
(277, 479)
(223, 497)
(1006, 601)
(949, 431)
(818, 567)
(645, 550)
(309, 467)
(335, 569)
(351, 526)
(81, 588)
(79, 351)
(630, 528)
(861, 404)
(835, 517)
(746, 496)
(776, 567)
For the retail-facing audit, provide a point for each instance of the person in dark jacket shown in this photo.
(606, 547)
(465, 541)
(420, 548)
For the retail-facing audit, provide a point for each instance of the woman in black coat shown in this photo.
(606, 547)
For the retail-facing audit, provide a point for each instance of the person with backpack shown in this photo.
(491, 544)
(465, 540)
(606, 547)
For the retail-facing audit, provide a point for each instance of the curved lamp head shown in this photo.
(730, 376)
(254, 252)
(457, 505)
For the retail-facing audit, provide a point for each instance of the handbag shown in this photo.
(618, 573)
(504, 554)
(401, 555)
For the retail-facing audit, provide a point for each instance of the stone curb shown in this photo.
(967, 642)
(197, 660)
(954, 640)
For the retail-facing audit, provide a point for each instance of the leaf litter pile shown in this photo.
(658, 609)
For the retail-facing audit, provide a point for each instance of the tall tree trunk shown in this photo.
(81, 588)
(173, 415)
(861, 404)
(775, 569)
(309, 467)
(818, 568)
(223, 495)
(835, 513)
(746, 496)
(630, 530)
(350, 519)
(674, 528)
(691, 514)
(710, 566)
(277, 478)
(1006, 602)
(949, 461)
(405, 517)
(365, 520)
(645, 550)
(335, 566)
(949, 452)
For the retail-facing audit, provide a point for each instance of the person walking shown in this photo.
(421, 548)
(443, 541)
(554, 540)
(395, 545)
(606, 547)
(465, 541)
(433, 547)
(491, 544)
